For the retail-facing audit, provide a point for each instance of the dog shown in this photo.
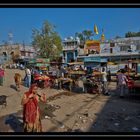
(3, 101)
(18, 81)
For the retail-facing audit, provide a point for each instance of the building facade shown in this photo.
(117, 50)
(8, 52)
(70, 49)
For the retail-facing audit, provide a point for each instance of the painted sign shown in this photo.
(93, 47)
(113, 68)
(92, 59)
(95, 59)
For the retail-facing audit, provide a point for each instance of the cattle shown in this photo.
(18, 81)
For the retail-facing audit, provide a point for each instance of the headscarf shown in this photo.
(32, 87)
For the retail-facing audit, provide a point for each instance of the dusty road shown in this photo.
(72, 111)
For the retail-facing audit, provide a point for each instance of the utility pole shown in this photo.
(24, 48)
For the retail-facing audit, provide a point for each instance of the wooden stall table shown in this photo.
(63, 81)
(97, 75)
(136, 86)
(75, 75)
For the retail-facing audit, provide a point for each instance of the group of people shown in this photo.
(31, 98)
(121, 82)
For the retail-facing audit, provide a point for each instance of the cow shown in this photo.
(18, 81)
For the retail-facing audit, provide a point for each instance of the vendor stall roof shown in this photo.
(110, 63)
(41, 65)
(76, 63)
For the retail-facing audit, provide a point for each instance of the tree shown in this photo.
(87, 34)
(132, 34)
(84, 35)
(117, 37)
(47, 41)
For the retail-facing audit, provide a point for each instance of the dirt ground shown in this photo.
(72, 112)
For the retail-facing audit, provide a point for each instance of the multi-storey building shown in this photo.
(19, 51)
(70, 46)
(117, 50)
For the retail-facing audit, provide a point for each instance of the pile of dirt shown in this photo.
(66, 93)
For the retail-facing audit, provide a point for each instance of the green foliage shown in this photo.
(132, 34)
(117, 37)
(84, 35)
(47, 41)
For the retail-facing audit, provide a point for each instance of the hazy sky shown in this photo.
(68, 21)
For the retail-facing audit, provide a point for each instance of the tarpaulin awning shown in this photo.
(41, 65)
(76, 63)
(110, 63)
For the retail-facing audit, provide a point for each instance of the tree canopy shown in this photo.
(132, 34)
(84, 35)
(47, 41)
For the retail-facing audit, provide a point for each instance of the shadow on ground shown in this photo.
(11, 123)
(13, 87)
(116, 115)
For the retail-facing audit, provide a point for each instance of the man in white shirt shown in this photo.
(28, 74)
(104, 82)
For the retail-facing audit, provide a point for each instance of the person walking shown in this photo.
(1, 75)
(28, 76)
(104, 82)
(122, 82)
(31, 110)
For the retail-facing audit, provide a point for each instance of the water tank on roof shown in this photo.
(71, 38)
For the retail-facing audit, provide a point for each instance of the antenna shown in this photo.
(10, 37)
(24, 48)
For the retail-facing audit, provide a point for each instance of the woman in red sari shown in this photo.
(31, 110)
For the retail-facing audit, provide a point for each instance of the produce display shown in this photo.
(41, 77)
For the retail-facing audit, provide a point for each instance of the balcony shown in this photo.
(69, 48)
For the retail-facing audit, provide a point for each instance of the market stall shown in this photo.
(42, 80)
(65, 83)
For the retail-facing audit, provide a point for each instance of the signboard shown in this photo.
(113, 68)
(93, 47)
(95, 59)
(92, 59)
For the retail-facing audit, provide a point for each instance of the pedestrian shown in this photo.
(104, 82)
(122, 82)
(28, 76)
(109, 76)
(1, 75)
(31, 110)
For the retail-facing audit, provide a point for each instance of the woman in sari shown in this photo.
(31, 110)
(1, 75)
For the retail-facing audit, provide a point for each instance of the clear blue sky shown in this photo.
(68, 21)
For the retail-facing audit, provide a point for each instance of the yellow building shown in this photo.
(92, 47)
